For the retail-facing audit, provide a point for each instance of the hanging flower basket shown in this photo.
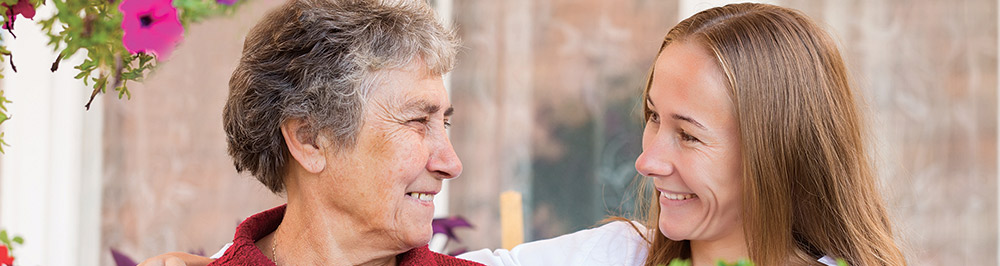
(120, 37)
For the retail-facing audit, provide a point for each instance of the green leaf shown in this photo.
(87, 64)
(679, 262)
(124, 91)
(83, 74)
(101, 83)
(143, 58)
(2, 143)
(18, 240)
(3, 237)
(842, 262)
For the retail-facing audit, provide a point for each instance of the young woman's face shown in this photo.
(691, 147)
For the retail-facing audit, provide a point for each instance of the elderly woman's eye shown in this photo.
(420, 124)
(422, 120)
(447, 124)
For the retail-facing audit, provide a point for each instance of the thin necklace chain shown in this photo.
(274, 248)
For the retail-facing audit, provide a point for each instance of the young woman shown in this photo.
(753, 142)
(756, 146)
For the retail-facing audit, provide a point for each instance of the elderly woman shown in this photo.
(340, 105)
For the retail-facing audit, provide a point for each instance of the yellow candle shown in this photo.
(511, 219)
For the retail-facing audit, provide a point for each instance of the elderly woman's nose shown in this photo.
(444, 162)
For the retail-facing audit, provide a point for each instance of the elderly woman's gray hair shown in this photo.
(316, 60)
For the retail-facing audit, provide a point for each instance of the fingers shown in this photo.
(176, 259)
(154, 261)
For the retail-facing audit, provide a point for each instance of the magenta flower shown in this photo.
(447, 226)
(121, 259)
(23, 8)
(226, 2)
(150, 26)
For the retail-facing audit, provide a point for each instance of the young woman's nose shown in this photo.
(657, 158)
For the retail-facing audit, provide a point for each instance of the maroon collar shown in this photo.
(244, 252)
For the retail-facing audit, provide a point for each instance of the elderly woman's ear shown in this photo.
(307, 148)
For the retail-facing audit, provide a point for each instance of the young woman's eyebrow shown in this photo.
(689, 120)
(679, 117)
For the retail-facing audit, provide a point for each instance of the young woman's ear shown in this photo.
(303, 145)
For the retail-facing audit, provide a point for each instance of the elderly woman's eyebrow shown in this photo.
(429, 108)
(423, 106)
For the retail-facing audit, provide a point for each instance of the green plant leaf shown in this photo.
(143, 58)
(18, 240)
(3, 237)
(82, 74)
(2, 143)
(679, 262)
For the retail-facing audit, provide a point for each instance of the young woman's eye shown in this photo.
(688, 138)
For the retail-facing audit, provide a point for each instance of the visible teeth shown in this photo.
(421, 196)
(677, 196)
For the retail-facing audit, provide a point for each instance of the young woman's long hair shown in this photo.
(809, 187)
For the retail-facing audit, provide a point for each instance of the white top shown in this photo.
(221, 252)
(615, 243)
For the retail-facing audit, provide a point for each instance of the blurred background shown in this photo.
(547, 95)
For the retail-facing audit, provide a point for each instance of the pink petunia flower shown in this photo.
(23, 8)
(150, 26)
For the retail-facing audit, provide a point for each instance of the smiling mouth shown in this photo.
(674, 196)
(427, 197)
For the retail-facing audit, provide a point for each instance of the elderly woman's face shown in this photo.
(691, 147)
(386, 183)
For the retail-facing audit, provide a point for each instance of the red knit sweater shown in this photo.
(244, 252)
